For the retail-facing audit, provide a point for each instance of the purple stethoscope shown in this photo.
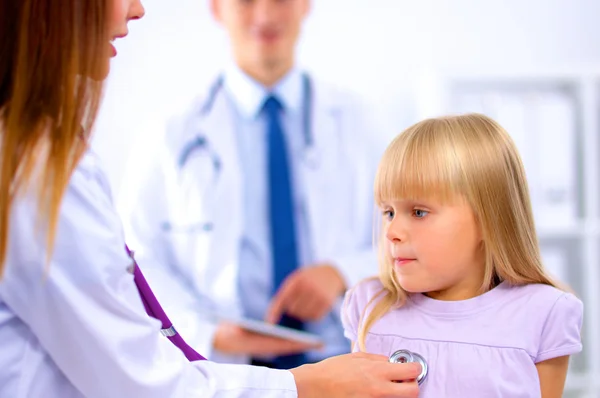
(154, 309)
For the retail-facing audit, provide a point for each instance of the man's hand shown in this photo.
(308, 294)
(232, 339)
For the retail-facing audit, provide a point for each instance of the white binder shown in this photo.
(542, 124)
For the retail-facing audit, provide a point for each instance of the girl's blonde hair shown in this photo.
(470, 156)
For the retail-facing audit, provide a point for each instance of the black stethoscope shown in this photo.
(201, 144)
(405, 356)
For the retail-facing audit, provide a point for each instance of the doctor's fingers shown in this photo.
(396, 380)
(400, 390)
(380, 367)
(281, 300)
(399, 371)
(302, 296)
(308, 307)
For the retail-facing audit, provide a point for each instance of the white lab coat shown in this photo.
(195, 271)
(78, 328)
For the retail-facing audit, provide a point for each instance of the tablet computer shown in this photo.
(270, 329)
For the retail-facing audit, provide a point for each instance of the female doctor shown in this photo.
(72, 323)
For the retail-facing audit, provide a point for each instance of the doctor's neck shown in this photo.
(267, 73)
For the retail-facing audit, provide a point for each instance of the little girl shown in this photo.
(461, 286)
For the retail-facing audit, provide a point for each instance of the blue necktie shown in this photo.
(281, 210)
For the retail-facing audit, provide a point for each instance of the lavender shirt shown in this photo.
(483, 347)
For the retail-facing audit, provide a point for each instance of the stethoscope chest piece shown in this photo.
(405, 356)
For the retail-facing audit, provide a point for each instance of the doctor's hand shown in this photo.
(232, 339)
(357, 375)
(308, 294)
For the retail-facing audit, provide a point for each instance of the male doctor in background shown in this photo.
(258, 203)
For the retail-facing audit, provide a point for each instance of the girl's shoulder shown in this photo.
(536, 306)
(364, 292)
(556, 315)
(357, 302)
(544, 298)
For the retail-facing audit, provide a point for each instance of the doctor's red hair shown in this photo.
(47, 47)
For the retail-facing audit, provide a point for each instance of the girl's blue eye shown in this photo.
(419, 213)
(388, 214)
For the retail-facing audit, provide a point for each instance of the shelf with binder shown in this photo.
(542, 121)
(554, 118)
(580, 228)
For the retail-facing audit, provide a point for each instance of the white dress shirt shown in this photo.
(256, 269)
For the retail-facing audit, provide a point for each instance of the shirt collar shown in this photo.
(249, 95)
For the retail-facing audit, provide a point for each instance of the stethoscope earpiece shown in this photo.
(405, 356)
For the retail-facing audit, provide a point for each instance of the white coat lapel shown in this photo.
(320, 166)
(216, 273)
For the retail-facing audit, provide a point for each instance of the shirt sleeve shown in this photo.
(349, 316)
(354, 306)
(84, 310)
(561, 334)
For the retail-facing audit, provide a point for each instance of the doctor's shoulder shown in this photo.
(182, 127)
(359, 116)
(340, 98)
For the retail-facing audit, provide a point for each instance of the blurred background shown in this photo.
(533, 65)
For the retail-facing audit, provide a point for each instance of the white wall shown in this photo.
(376, 47)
